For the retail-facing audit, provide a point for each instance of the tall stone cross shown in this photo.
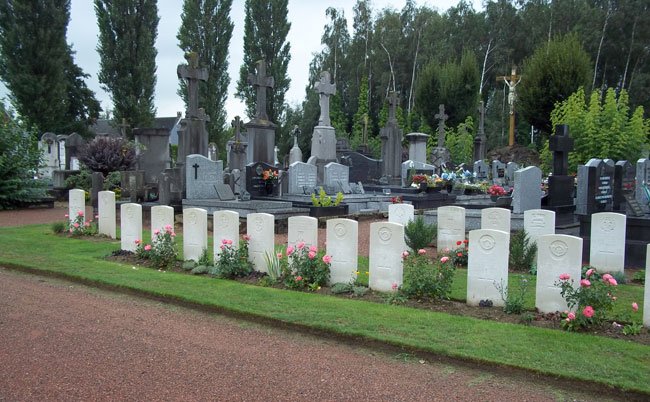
(392, 106)
(325, 88)
(481, 121)
(442, 117)
(123, 127)
(296, 133)
(193, 74)
(511, 81)
(237, 125)
(260, 81)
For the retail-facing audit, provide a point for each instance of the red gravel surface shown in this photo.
(64, 341)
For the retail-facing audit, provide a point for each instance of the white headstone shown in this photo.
(386, 248)
(161, 216)
(400, 213)
(539, 222)
(106, 211)
(260, 227)
(76, 203)
(607, 249)
(556, 255)
(487, 265)
(646, 288)
(302, 229)
(130, 225)
(451, 227)
(225, 226)
(528, 193)
(302, 175)
(195, 233)
(495, 219)
(343, 246)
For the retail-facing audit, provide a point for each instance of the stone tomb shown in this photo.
(260, 227)
(153, 156)
(73, 146)
(386, 248)
(302, 178)
(202, 176)
(498, 172)
(487, 265)
(643, 182)
(106, 212)
(342, 237)
(400, 213)
(451, 227)
(417, 147)
(50, 152)
(225, 226)
(195, 233)
(607, 251)
(130, 225)
(481, 170)
(302, 229)
(539, 222)
(527, 194)
(161, 216)
(419, 167)
(556, 255)
(255, 183)
(495, 219)
(336, 177)
(76, 204)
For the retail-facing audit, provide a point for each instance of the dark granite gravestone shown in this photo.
(97, 186)
(255, 183)
(595, 187)
(153, 157)
(260, 131)
(498, 172)
(560, 184)
(73, 145)
(642, 192)
(624, 174)
(362, 168)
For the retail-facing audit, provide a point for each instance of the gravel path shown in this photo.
(63, 341)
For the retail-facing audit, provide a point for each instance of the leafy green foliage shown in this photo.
(424, 279)
(522, 251)
(305, 265)
(233, 263)
(324, 200)
(81, 180)
(127, 57)
(591, 300)
(204, 259)
(46, 87)
(19, 161)
(602, 128)
(418, 234)
(206, 28)
(340, 287)
(265, 38)
(555, 71)
(58, 227)
(633, 329)
(514, 299)
(639, 277)
(460, 142)
(109, 154)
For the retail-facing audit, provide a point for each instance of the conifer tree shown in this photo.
(206, 28)
(265, 34)
(127, 37)
(46, 86)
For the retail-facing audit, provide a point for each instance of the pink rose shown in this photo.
(168, 227)
(564, 277)
(607, 277)
(156, 232)
(87, 224)
(67, 216)
(447, 250)
(96, 216)
(422, 251)
(585, 283)
(147, 247)
(635, 306)
(229, 242)
(70, 230)
(572, 315)
(312, 254)
(567, 319)
(444, 259)
(247, 237)
(137, 241)
(76, 225)
(298, 278)
(590, 272)
(224, 241)
(588, 311)
(173, 234)
(394, 285)
(613, 282)
(327, 259)
(289, 250)
(222, 247)
(614, 298)
(301, 245)
(313, 249)
(405, 254)
(280, 255)
(80, 213)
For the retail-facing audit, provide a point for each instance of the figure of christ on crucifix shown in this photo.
(260, 81)
(511, 81)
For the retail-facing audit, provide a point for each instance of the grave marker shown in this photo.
(495, 219)
(195, 233)
(487, 265)
(642, 190)
(161, 216)
(260, 227)
(539, 222)
(202, 175)
(130, 226)
(527, 194)
(451, 227)
(225, 226)
(106, 212)
(302, 175)
(556, 255)
(76, 204)
(400, 213)
(342, 237)
(607, 248)
(386, 248)
(302, 229)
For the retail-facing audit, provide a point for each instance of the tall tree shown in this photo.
(206, 28)
(127, 37)
(46, 86)
(265, 34)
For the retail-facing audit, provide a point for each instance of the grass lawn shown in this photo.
(612, 362)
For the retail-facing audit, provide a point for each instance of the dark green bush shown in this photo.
(418, 234)
(109, 154)
(522, 251)
(59, 227)
(424, 279)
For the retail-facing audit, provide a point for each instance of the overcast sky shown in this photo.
(307, 18)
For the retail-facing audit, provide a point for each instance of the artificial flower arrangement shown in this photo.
(269, 175)
(497, 190)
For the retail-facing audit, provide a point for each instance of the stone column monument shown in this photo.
(440, 155)
(391, 144)
(261, 132)
(323, 140)
(295, 154)
(480, 141)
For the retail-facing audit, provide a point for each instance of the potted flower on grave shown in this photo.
(420, 181)
(449, 179)
(270, 177)
(496, 191)
(323, 205)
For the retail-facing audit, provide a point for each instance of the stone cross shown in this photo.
(123, 127)
(561, 144)
(296, 133)
(441, 125)
(237, 125)
(261, 81)
(481, 121)
(325, 88)
(193, 74)
(392, 106)
(196, 171)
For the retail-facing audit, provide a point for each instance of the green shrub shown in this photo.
(620, 277)
(340, 287)
(418, 234)
(639, 277)
(590, 300)
(58, 227)
(306, 266)
(514, 299)
(163, 248)
(359, 291)
(324, 200)
(425, 279)
(522, 251)
(112, 181)
(200, 269)
(204, 259)
(82, 180)
(233, 263)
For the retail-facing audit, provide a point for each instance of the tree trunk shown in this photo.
(487, 53)
(602, 38)
(390, 64)
(415, 60)
(629, 54)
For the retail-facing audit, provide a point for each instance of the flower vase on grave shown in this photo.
(268, 186)
(423, 186)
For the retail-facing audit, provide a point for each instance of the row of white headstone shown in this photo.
(487, 255)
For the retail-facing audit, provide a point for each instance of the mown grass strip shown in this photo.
(612, 362)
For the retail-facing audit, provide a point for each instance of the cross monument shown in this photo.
(193, 74)
(442, 117)
(261, 81)
(511, 81)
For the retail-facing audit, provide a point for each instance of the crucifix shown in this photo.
(442, 117)
(325, 88)
(193, 74)
(123, 127)
(260, 81)
(511, 81)
(196, 171)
